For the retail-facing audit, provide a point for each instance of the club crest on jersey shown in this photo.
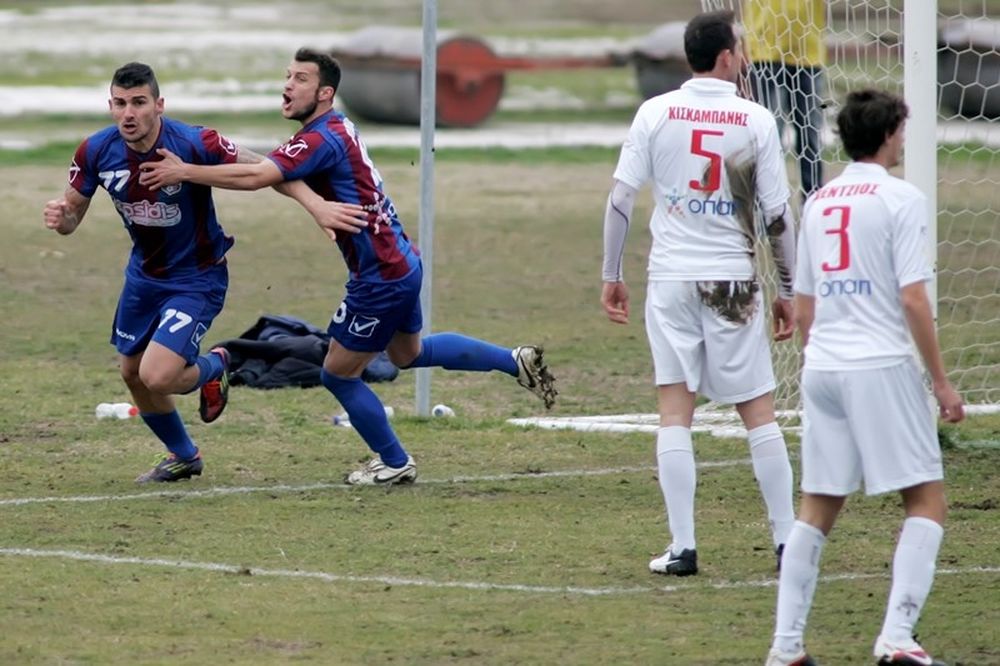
(227, 145)
(294, 148)
(362, 326)
(171, 190)
(74, 171)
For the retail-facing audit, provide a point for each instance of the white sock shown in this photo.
(796, 585)
(912, 576)
(675, 463)
(774, 476)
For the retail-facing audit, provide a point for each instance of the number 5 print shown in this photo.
(714, 177)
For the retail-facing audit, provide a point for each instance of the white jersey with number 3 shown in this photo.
(863, 238)
(710, 154)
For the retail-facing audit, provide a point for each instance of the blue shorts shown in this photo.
(174, 314)
(371, 313)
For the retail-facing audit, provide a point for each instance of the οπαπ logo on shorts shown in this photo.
(362, 326)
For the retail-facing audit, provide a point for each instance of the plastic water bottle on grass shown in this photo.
(116, 410)
(442, 411)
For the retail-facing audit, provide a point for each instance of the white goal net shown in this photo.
(864, 44)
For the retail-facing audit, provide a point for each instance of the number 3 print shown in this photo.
(841, 232)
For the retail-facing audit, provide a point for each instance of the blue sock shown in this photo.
(170, 429)
(453, 351)
(367, 416)
(210, 367)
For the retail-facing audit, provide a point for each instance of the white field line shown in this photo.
(631, 423)
(723, 424)
(718, 423)
(425, 582)
(286, 488)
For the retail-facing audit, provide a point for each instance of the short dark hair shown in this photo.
(867, 119)
(706, 36)
(329, 68)
(136, 74)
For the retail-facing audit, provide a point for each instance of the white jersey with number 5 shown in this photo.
(710, 154)
(863, 238)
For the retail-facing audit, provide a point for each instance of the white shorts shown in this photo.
(871, 424)
(720, 351)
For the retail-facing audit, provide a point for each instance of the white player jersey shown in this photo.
(710, 155)
(863, 238)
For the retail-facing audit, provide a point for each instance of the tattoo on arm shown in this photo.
(782, 242)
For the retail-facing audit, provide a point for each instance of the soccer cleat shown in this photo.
(170, 468)
(908, 653)
(534, 375)
(215, 394)
(684, 563)
(377, 473)
(778, 658)
(778, 552)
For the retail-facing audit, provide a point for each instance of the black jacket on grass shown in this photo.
(280, 351)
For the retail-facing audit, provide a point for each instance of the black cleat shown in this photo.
(170, 468)
(684, 563)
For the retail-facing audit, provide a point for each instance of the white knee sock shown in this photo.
(675, 463)
(912, 576)
(774, 476)
(796, 585)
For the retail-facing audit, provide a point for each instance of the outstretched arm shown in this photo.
(253, 172)
(331, 216)
(64, 215)
(617, 217)
(244, 175)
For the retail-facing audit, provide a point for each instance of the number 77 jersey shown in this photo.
(175, 232)
(711, 156)
(862, 239)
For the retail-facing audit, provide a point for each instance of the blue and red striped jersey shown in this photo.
(175, 233)
(330, 157)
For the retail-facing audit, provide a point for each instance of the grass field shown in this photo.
(516, 547)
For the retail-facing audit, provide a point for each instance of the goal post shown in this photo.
(920, 90)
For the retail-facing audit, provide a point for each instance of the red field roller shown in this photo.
(381, 75)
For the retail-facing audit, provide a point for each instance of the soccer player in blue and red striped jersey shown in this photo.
(176, 277)
(381, 309)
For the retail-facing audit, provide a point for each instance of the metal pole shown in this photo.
(920, 90)
(428, 105)
(920, 157)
